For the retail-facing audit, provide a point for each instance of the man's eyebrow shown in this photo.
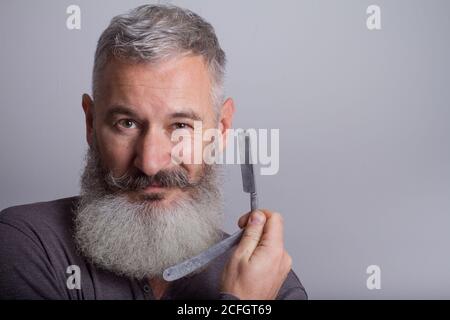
(123, 110)
(186, 114)
(119, 109)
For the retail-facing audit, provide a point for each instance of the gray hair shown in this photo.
(152, 33)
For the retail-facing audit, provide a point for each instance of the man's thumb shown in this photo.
(252, 233)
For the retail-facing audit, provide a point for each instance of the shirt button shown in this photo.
(146, 288)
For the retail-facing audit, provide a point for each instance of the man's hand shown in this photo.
(260, 264)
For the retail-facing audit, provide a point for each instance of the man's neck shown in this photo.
(159, 286)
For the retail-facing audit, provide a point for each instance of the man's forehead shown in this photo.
(177, 84)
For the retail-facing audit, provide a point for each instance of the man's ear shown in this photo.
(88, 107)
(226, 119)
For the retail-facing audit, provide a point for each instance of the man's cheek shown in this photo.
(183, 148)
(115, 153)
(213, 146)
(196, 147)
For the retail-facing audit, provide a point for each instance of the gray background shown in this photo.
(363, 117)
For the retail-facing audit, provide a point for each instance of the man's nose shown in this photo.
(154, 150)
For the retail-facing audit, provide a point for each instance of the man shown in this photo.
(157, 70)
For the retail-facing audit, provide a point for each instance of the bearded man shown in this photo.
(157, 70)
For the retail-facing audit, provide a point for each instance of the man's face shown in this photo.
(139, 107)
(140, 212)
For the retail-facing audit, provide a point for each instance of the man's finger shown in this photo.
(251, 235)
(242, 222)
(273, 231)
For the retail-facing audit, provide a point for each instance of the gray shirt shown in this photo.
(37, 250)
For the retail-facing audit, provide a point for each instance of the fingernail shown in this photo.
(257, 218)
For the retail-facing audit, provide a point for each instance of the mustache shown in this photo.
(175, 178)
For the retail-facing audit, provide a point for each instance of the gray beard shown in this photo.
(140, 239)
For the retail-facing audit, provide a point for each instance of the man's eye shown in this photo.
(127, 123)
(181, 125)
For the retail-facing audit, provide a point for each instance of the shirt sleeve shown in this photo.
(292, 288)
(227, 296)
(25, 270)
